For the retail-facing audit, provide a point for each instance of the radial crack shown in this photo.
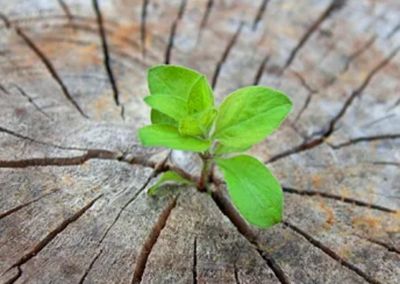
(172, 34)
(61, 161)
(53, 234)
(206, 15)
(15, 134)
(326, 133)
(338, 198)
(225, 54)
(311, 92)
(143, 30)
(66, 10)
(106, 55)
(389, 247)
(31, 101)
(157, 169)
(260, 13)
(46, 62)
(151, 240)
(194, 269)
(260, 70)
(334, 6)
(331, 253)
(366, 139)
(19, 207)
(87, 270)
(229, 211)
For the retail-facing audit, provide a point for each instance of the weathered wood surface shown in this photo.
(73, 207)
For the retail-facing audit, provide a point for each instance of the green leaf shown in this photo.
(168, 136)
(160, 118)
(222, 149)
(167, 177)
(249, 114)
(172, 106)
(200, 96)
(255, 192)
(197, 124)
(172, 80)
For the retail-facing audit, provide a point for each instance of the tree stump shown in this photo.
(73, 178)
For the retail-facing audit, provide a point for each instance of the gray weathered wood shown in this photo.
(73, 177)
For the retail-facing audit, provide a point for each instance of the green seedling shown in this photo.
(184, 117)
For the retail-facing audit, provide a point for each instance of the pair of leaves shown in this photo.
(182, 109)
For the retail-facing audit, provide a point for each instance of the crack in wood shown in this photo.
(46, 62)
(21, 206)
(143, 27)
(260, 70)
(61, 161)
(396, 104)
(393, 31)
(260, 13)
(53, 234)
(388, 247)
(243, 228)
(378, 120)
(4, 90)
(311, 92)
(331, 253)
(15, 134)
(31, 101)
(325, 134)
(206, 15)
(106, 54)
(49, 66)
(172, 33)
(236, 274)
(135, 196)
(334, 6)
(225, 54)
(275, 267)
(366, 139)
(358, 53)
(386, 163)
(15, 277)
(157, 169)
(91, 264)
(349, 60)
(338, 198)
(66, 10)
(194, 267)
(150, 242)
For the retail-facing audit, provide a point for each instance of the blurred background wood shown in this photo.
(73, 207)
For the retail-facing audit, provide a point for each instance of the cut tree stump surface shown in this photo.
(73, 177)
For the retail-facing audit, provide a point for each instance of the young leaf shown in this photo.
(167, 177)
(249, 114)
(172, 80)
(222, 149)
(172, 106)
(200, 96)
(168, 136)
(158, 117)
(254, 190)
(197, 124)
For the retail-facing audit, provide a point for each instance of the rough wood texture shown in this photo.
(73, 207)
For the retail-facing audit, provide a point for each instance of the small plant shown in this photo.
(184, 117)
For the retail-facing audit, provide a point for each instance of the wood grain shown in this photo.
(73, 177)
